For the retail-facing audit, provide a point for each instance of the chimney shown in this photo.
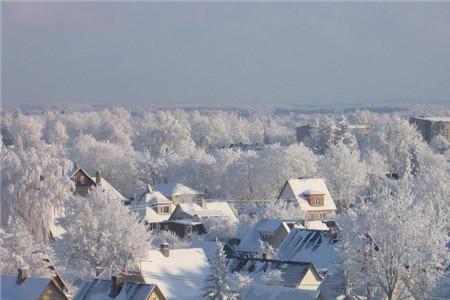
(75, 166)
(164, 248)
(115, 286)
(22, 274)
(98, 177)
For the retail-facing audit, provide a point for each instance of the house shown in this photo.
(320, 247)
(115, 288)
(298, 275)
(430, 127)
(26, 287)
(210, 210)
(183, 228)
(84, 183)
(270, 231)
(310, 195)
(271, 292)
(151, 206)
(179, 193)
(179, 273)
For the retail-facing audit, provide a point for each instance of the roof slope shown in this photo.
(213, 209)
(270, 292)
(99, 289)
(31, 288)
(292, 273)
(175, 189)
(250, 243)
(303, 187)
(305, 245)
(180, 275)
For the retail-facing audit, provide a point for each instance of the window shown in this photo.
(83, 179)
(323, 215)
(317, 201)
(165, 209)
(188, 230)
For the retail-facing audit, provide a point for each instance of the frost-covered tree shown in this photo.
(18, 250)
(276, 164)
(100, 232)
(34, 186)
(440, 144)
(394, 246)
(54, 131)
(116, 162)
(218, 285)
(166, 236)
(345, 174)
(23, 128)
(220, 229)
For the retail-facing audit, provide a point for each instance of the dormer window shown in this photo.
(165, 209)
(317, 201)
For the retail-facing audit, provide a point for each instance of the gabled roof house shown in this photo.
(310, 195)
(84, 182)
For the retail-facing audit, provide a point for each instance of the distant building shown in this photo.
(310, 195)
(305, 131)
(430, 127)
(26, 287)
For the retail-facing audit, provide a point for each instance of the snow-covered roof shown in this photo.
(150, 197)
(306, 245)
(31, 288)
(250, 243)
(175, 189)
(299, 188)
(224, 208)
(271, 292)
(316, 225)
(99, 289)
(208, 247)
(291, 273)
(106, 186)
(180, 275)
(213, 209)
(434, 119)
(148, 214)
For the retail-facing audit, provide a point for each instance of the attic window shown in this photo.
(317, 201)
(82, 179)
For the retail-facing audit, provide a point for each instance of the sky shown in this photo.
(227, 53)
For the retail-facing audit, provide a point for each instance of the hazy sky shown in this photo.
(224, 53)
